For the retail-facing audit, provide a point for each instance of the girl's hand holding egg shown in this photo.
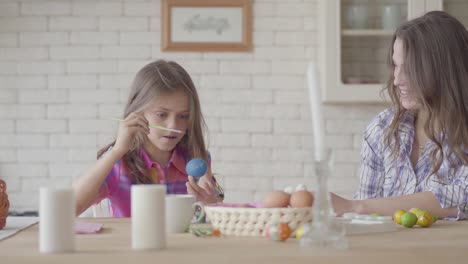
(203, 189)
(200, 183)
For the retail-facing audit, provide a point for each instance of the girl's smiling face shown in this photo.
(170, 111)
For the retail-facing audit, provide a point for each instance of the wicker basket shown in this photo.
(4, 204)
(254, 221)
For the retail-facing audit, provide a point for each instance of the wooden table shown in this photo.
(444, 242)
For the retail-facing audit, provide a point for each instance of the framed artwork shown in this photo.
(206, 25)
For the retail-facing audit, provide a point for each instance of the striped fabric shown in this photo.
(382, 176)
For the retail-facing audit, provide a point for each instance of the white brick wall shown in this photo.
(65, 67)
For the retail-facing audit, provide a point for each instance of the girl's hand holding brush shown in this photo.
(133, 131)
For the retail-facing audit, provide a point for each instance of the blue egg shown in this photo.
(196, 167)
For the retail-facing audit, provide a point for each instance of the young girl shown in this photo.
(162, 94)
(415, 154)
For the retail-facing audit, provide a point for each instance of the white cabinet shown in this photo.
(354, 41)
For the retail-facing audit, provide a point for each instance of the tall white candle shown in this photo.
(56, 220)
(315, 98)
(148, 216)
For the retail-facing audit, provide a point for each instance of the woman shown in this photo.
(414, 155)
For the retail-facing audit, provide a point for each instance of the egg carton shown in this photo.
(363, 224)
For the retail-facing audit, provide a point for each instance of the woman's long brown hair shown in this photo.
(436, 68)
(156, 78)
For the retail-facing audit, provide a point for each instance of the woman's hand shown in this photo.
(132, 131)
(342, 205)
(204, 190)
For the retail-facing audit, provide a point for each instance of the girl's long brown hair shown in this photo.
(156, 78)
(436, 67)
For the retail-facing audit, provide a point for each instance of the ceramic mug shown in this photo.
(181, 210)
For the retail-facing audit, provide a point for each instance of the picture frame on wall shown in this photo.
(206, 25)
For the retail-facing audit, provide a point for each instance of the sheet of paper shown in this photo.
(14, 224)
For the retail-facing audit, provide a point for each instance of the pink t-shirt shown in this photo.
(118, 183)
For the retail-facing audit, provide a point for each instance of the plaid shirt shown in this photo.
(381, 176)
(117, 185)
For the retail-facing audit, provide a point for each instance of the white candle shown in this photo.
(315, 98)
(148, 216)
(56, 220)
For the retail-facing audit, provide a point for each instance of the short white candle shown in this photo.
(315, 98)
(56, 220)
(148, 216)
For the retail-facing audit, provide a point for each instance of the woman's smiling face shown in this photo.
(408, 99)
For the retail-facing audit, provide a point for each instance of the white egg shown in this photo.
(288, 189)
(301, 187)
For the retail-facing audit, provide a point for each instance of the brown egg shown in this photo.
(301, 199)
(276, 199)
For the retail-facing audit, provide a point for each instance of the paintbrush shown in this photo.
(152, 126)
